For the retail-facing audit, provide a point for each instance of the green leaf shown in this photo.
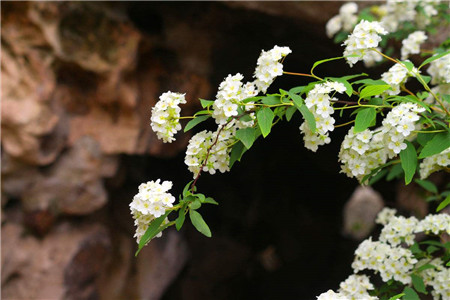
(408, 157)
(439, 143)
(433, 58)
(247, 136)
(210, 201)
(236, 153)
(324, 61)
(297, 89)
(425, 78)
(409, 65)
(410, 294)
(412, 99)
(425, 267)
(348, 86)
(444, 204)
(206, 103)
(290, 112)
(398, 296)
(195, 122)
(423, 138)
(415, 248)
(199, 223)
(298, 101)
(364, 118)
(180, 220)
(378, 176)
(369, 81)
(373, 90)
(186, 190)
(428, 185)
(271, 100)
(418, 284)
(196, 204)
(309, 117)
(153, 229)
(394, 172)
(431, 249)
(265, 117)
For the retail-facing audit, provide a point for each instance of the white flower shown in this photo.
(150, 203)
(365, 36)
(268, 67)
(411, 45)
(165, 116)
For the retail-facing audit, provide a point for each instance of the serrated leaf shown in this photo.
(265, 117)
(290, 112)
(236, 153)
(153, 229)
(433, 58)
(247, 136)
(418, 284)
(194, 122)
(408, 157)
(410, 294)
(364, 118)
(180, 220)
(309, 117)
(373, 90)
(443, 204)
(199, 223)
(206, 103)
(439, 143)
(428, 185)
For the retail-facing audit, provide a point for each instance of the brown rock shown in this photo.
(64, 265)
(360, 212)
(158, 264)
(73, 185)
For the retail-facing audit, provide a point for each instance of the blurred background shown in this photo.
(78, 83)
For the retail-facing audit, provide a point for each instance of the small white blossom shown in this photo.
(411, 45)
(165, 116)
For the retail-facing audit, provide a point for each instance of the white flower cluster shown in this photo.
(219, 154)
(390, 261)
(268, 67)
(149, 203)
(438, 278)
(346, 19)
(387, 256)
(318, 102)
(364, 37)
(440, 70)
(165, 116)
(355, 287)
(434, 163)
(411, 45)
(434, 224)
(399, 229)
(396, 76)
(364, 151)
(231, 93)
(398, 125)
(396, 12)
(385, 215)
